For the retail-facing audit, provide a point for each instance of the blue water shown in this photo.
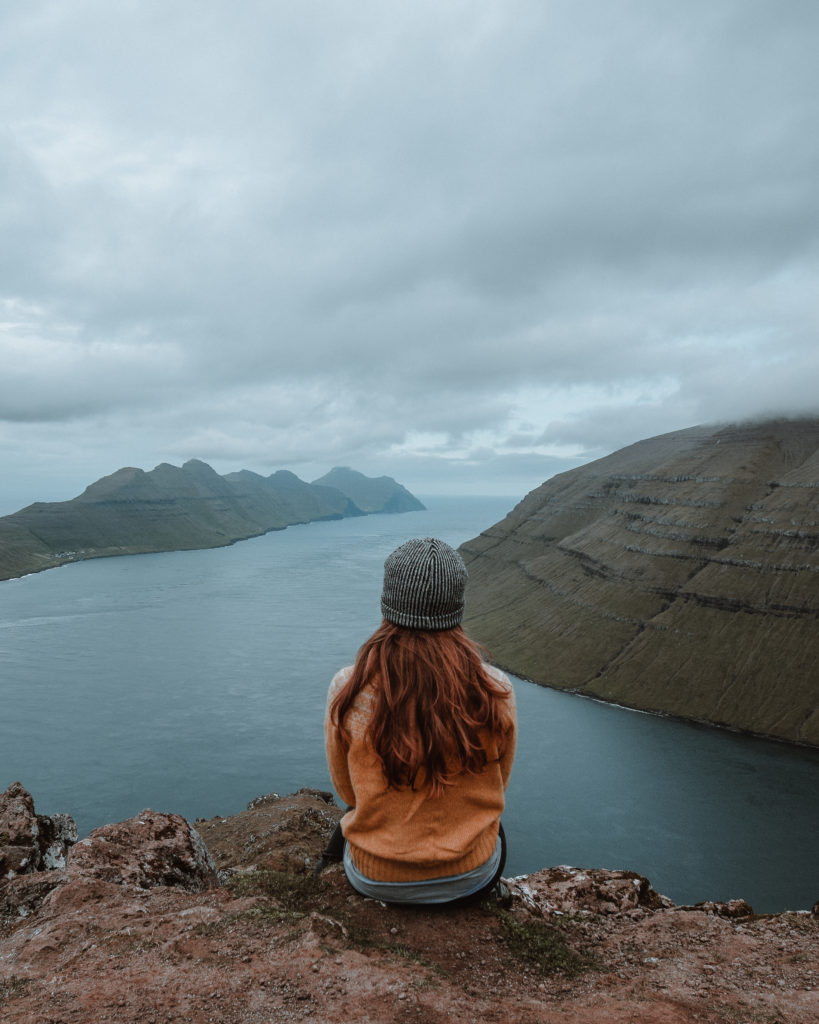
(194, 681)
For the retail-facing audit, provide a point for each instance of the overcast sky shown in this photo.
(465, 244)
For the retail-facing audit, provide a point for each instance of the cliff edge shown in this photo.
(152, 919)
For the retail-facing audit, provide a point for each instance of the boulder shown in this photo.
(279, 833)
(724, 908)
(568, 890)
(22, 895)
(29, 841)
(148, 850)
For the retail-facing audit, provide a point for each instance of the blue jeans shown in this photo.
(334, 852)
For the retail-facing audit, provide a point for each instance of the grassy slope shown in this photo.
(167, 509)
(680, 575)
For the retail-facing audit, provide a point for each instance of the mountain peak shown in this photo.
(371, 494)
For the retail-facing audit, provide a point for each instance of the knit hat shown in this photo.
(424, 583)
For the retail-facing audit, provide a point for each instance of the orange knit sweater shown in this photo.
(404, 835)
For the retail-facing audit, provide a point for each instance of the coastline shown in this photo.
(703, 723)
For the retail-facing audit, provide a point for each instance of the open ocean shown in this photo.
(194, 681)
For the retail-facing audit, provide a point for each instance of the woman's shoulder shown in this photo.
(509, 709)
(340, 678)
(358, 713)
(499, 676)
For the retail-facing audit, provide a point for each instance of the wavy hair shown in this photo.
(433, 705)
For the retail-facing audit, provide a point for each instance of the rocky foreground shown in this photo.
(152, 920)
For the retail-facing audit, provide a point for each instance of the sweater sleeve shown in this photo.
(336, 754)
(511, 730)
(509, 752)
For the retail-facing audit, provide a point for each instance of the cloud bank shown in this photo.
(466, 244)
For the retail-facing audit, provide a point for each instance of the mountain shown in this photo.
(679, 575)
(372, 494)
(295, 500)
(172, 508)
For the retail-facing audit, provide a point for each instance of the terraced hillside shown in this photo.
(678, 575)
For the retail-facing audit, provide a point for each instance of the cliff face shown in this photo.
(679, 575)
(170, 509)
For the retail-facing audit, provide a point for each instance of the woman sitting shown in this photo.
(420, 737)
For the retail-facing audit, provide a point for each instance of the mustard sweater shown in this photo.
(404, 835)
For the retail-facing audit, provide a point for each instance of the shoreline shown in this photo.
(702, 723)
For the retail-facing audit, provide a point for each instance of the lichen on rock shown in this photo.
(29, 841)
(147, 850)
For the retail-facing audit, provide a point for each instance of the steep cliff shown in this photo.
(168, 509)
(678, 575)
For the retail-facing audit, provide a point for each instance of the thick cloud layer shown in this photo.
(468, 244)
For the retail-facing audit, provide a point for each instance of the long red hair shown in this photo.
(433, 704)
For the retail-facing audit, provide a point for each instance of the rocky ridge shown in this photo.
(153, 920)
(679, 575)
(172, 509)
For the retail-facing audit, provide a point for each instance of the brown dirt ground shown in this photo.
(275, 944)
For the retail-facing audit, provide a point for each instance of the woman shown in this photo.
(420, 736)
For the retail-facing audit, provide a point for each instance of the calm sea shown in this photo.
(194, 681)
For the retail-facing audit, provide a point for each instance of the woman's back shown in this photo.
(420, 734)
(404, 832)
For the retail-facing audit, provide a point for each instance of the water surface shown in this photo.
(194, 681)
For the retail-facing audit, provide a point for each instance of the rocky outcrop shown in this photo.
(29, 841)
(147, 850)
(276, 943)
(283, 833)
(679, 575)
(567, 890)
(39, 853)
(172, 508)
(33, 852)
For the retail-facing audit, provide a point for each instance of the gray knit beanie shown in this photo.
(424, 583)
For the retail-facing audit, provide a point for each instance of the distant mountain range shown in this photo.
(679, 575)
(171, 509)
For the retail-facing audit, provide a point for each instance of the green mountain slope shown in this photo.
(168, 508)
(679, 575)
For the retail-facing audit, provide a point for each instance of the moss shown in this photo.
(268, 912)
(363, 938)
(12, 987)
(290, 890)
(543, 945)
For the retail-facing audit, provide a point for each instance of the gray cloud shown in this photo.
(396, 236)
